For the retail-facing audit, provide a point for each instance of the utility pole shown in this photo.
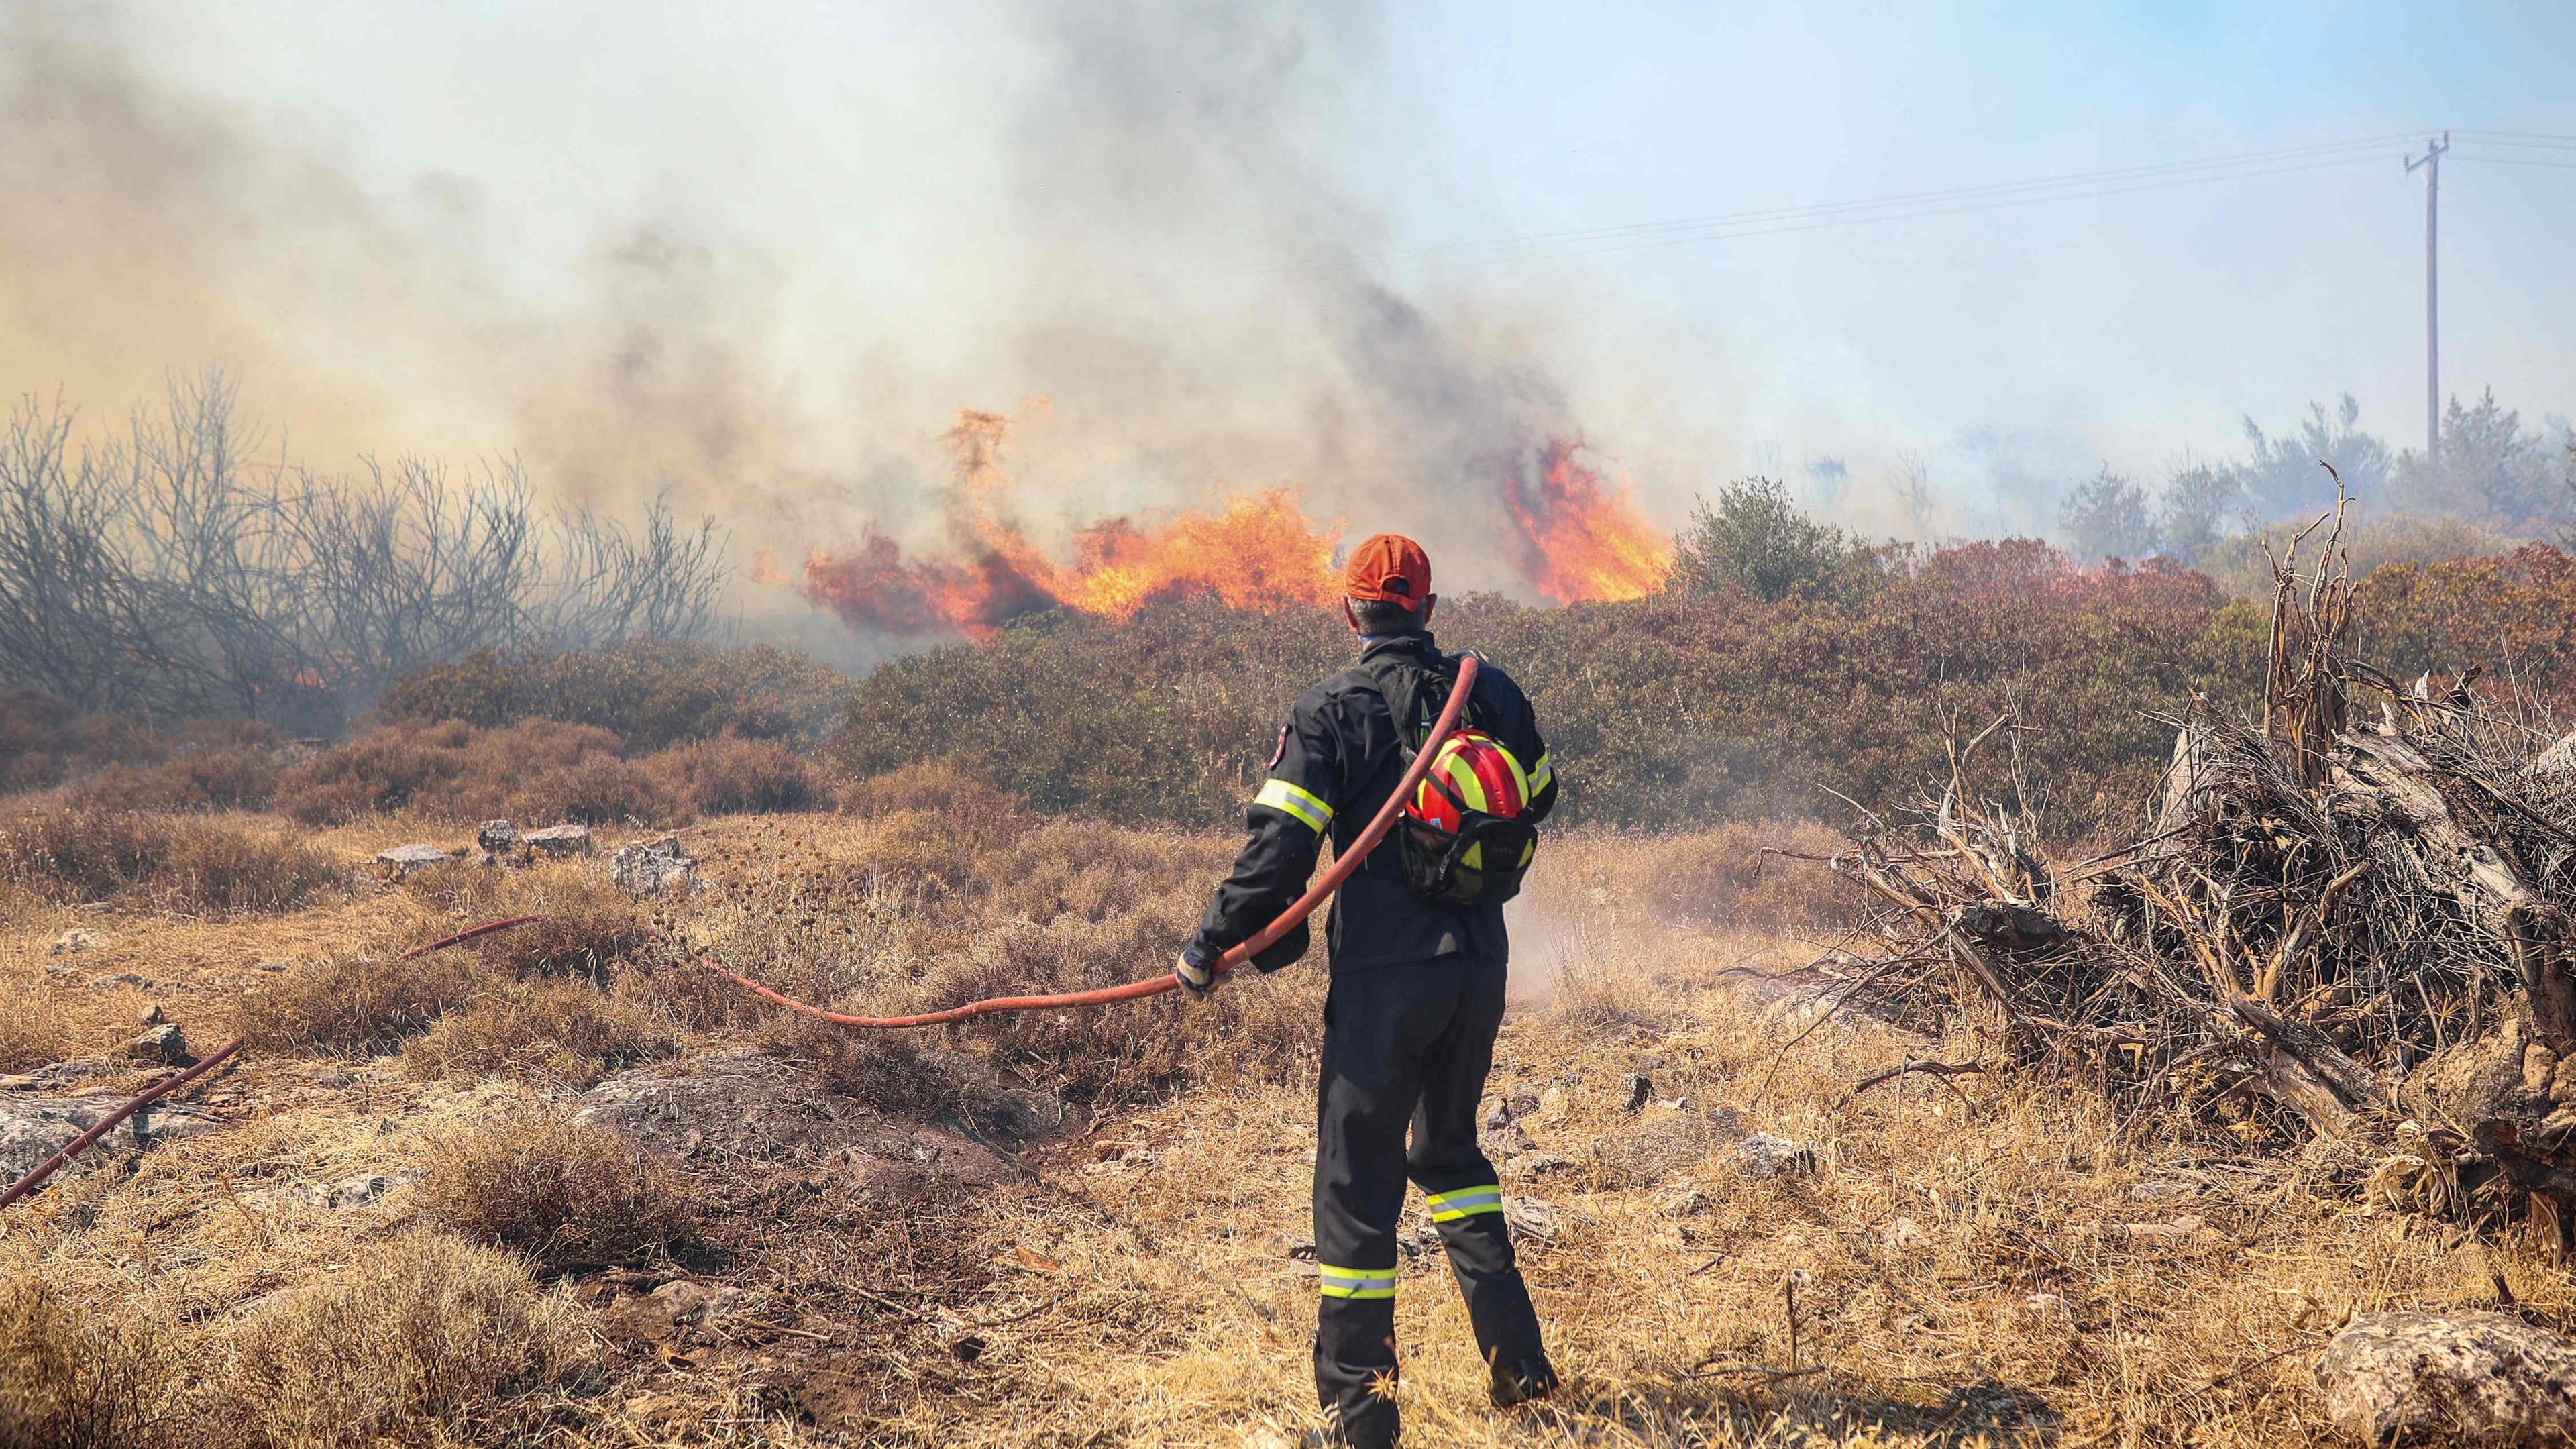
(2431, 161)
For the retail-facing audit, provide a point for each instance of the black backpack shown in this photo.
(1483, 862)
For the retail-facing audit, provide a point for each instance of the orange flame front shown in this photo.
(1579, 539)
(1257, 552)
(1576, 538)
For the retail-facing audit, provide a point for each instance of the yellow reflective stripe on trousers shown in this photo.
(1541, 773)
(1356, 1282)
(1465, 1202)
(1294, 800)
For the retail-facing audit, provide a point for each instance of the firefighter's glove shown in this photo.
(1197, 971)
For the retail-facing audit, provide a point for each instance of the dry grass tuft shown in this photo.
(357, 1005)
(420, 1339)
(561, 1031)
(568, 1193)
(731, 775)
(178, 865)
(76, 1379)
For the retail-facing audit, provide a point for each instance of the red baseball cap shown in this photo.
(1390, 568)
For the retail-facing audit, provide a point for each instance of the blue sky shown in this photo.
(762, 252)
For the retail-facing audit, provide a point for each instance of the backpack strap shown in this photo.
(1414, 694)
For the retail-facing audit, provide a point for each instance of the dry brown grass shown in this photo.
(418, 1339)
(562, 1191)
(357, 1005)
(166, 864)
(79, 1378)
(1995, 1260)
(559, 1031)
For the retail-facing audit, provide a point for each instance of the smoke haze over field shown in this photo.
(763, 258)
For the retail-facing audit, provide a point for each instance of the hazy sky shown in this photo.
(765, 251)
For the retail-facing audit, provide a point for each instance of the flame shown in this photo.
(1581, 540)
(1259, 552)
(1577, 537)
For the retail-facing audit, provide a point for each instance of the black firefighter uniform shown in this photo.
(1409, 1023)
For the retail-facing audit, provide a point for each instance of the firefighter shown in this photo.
(1417, 985)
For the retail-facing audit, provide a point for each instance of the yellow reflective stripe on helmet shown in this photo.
(1295, 800)
(1356, 1282)
(1465, 1202)
(1541, 773)
(1462, 778)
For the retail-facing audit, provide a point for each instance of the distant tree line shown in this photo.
(2490, 472)
(167, 571)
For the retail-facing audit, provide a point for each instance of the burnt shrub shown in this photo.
(652, 694)
(211, 768)
(170, 864)
(539, 770)
(731, 775)
(568, 1193)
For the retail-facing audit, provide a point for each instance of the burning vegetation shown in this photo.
(1574, 536)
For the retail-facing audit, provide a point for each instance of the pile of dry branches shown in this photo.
(2339, 925)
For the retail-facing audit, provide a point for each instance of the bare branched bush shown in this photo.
(567, 1193)
(419, 1339)
(176, 570)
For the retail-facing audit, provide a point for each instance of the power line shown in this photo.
(2516, 161)
(1819, 219)
(1906, 205)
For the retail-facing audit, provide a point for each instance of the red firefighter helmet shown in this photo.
(1470, 771)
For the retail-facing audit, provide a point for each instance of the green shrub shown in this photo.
(652, 694)
(1671, 711)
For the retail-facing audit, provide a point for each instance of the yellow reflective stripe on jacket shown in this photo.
(1356, 1282)
(1295, 800)
(1541, 773)
(1465, 1202)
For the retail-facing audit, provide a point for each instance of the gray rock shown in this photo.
(496, 836)
(364, 1187)
(35, 1128)
(402, 860)
(1681, 1199)
(1637, 1093)
(652, 868)
(699, 1303)
(1498, 1115)
(2480, 1378)
(1539, 1164)
(563, 841)
(119, 980)
(164, 1044)
(73, 943)
(1764, 1155)
(1508, 1140)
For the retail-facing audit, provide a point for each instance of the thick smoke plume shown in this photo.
(794, 259)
